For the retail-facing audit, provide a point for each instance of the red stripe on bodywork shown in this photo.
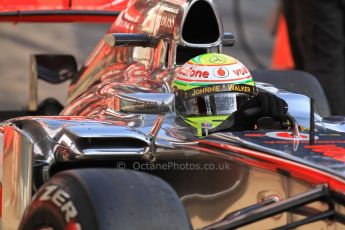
(26, 5)
(60, 10)
(74, 18)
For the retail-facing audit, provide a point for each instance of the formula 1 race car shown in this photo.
(115, 158)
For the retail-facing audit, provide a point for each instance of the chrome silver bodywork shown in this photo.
(91, 129)
(16, 175)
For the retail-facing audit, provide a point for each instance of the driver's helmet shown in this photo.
(209, 88)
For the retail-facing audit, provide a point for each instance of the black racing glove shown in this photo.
(262, 105)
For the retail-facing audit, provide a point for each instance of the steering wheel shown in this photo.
(269, 123)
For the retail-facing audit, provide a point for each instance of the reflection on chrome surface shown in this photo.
(95, 127)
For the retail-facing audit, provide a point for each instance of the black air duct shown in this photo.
(201, 25)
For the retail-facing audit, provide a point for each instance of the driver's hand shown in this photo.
(262, 105)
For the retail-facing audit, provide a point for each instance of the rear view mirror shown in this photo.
(52, 68)
(144, 103)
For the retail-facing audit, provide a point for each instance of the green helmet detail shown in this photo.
(209, 88)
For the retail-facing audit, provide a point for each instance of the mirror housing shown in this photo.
(52, 68)
(144, 103)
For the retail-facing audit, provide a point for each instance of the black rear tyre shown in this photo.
(105, 199)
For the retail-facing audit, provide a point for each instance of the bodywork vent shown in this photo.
(201, 25)
(88, 143)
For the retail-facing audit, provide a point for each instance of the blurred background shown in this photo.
(249, 20)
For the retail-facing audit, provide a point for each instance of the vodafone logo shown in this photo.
(190, 72)
(221, 72)
(212, 73)
(288, 136)
(241, 71)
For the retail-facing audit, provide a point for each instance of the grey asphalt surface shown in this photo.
(19, 41)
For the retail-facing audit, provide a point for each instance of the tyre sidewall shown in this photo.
(60, 204)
